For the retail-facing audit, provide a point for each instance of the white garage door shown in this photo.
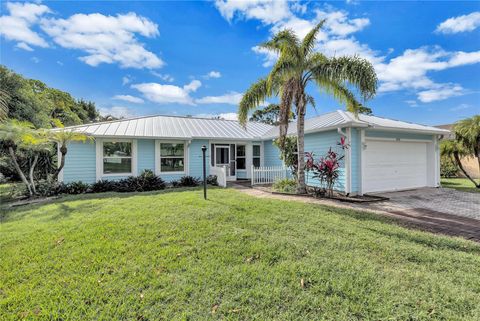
(394, 166)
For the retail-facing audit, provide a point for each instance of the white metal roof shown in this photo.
(339, 119)
(180, 127)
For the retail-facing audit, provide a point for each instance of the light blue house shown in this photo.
(383, 154)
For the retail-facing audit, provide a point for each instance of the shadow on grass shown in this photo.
(428, 241)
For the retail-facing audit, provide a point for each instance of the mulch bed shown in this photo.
(339, 197)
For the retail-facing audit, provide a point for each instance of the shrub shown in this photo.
(103, 186)
(175, 183)
(448, 168)
(146, 181)
(74, 188)
(48, 188)
(286, 185)
(212, 180)
(188, 181)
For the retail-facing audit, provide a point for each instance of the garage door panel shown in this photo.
(395, 166)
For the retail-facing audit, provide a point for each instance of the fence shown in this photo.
(221, 173)
(268, 174)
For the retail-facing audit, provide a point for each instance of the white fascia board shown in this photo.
(409, 130)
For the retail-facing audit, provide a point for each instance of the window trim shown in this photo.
(158, 157)
(259, 156)
(244, 157)
(99, 157)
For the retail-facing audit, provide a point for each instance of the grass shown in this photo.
(173, 256)
(5, 192)
(461, 184)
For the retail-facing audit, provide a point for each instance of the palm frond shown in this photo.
(252, 98)
(341, 93)
(308, 42)
(357, 71)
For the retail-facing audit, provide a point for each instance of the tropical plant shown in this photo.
(455, 150)
(327, 169)
(448, 167)
(62, 137)
(16, 135)
(4, 98)
(269, 115)
(289, 154)
(286, 185)
(467, 133)
(298, 66)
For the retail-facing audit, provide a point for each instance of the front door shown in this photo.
(223, 157)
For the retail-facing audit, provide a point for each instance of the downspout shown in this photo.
(348, 172)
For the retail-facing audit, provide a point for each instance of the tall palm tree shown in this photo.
(298, 66)
(4, 98)
(456, 151)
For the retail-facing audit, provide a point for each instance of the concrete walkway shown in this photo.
(437, 210)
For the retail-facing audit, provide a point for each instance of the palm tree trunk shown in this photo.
(63, 152)
(301, 187)
(19, 170)
(459, 163)
(32, 169)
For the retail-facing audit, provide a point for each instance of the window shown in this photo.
(117, 157)
(241, 157)
(256, 155)
(172, 157)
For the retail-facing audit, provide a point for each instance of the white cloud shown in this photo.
(164, 94)
(106, 39)
(440, 92)
(409, 71)
(338, 23)
(269, 57)
(213, 74)
(226, 116)
(268, 11)
(458, 24)
(35, 60)
(116, 111)
(231, 98)
(129, 98)
(164, 77)
(17, 25)
(412, 103)
(24, 46)
(126, 80)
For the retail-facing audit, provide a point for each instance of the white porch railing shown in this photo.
(268, 174)
(221, 173)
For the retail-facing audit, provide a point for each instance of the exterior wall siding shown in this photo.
(146, 155)
(271, 155)
(355, 168)
(195, 162)
(319, 144)
(397, 135)
(80, 163)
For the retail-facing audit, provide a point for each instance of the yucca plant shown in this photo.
(298, 66)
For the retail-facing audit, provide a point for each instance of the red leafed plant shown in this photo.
(327, 168)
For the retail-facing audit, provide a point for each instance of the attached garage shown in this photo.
(395, 165)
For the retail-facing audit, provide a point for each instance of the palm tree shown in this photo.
(298, 66)
(62, 137)
(466, 143)
(455, 151)
(4, 98)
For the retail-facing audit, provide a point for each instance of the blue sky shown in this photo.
(196, 58)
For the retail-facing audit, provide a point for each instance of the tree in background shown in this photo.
(298, 66)
(466, 143)
(16, 136)
(269, 115)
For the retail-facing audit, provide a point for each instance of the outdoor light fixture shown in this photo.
(204, 149)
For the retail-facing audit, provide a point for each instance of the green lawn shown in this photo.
(173, 256)
(461, 184)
